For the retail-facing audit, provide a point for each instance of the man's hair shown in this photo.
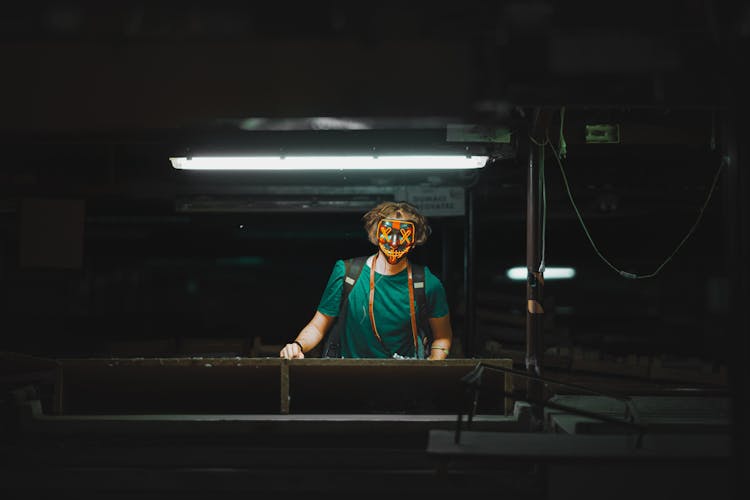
(396, 210)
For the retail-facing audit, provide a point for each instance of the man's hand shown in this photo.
(293, 350)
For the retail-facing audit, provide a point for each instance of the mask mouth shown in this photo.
(393, 255)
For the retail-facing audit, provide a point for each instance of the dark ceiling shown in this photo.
(135, 66)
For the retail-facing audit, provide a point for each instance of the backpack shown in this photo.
(353, 268)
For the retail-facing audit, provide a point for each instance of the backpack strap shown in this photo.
(352, 270)
(420, 294)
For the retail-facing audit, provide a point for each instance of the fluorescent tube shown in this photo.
(389, 162)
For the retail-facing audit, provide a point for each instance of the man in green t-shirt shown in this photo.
(381, 321)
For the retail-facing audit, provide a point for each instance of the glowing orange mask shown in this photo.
(395, 238)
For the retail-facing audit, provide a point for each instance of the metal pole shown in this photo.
(535, 277)
(445, 267)
(469, 305)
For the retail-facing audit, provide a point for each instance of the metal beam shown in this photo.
(535, 274)
(469, 303)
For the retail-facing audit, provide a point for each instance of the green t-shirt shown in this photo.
(390, 309)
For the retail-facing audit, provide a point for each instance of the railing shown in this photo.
(474, 383)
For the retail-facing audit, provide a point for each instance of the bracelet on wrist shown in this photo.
(300, 345)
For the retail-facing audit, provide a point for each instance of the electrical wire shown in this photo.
(622, 273)
(543, 190)
(543, 194)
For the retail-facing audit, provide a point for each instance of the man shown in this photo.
(381, 316)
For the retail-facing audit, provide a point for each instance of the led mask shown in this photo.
(395, 238)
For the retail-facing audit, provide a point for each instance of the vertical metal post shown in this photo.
(469, 306)
(445, 265)
(535, 278)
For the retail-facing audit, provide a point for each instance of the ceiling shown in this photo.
(123, 69)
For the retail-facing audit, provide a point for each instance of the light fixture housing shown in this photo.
(331, 162)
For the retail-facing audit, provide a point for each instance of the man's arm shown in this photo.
(442, 335)
(309, 337)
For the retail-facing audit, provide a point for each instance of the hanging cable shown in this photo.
(622, 273)
(543, 193)
(544, 211)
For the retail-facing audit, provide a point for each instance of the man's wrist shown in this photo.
(301, 347)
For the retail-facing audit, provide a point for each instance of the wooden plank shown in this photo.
(170, 385)
(390, 385)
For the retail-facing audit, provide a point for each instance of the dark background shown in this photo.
(97, 248)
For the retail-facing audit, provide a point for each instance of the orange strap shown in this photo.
(411, 302)
(411, 307)
(372, 297)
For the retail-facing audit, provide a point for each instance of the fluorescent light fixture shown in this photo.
(550, 273)
(388, 162)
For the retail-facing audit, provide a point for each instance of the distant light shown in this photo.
(550, 273)
(331, 123)
(388, 162)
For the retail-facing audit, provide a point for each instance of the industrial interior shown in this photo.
(593, 257)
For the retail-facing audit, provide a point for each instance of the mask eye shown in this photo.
(385, 231)
(407, 234)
